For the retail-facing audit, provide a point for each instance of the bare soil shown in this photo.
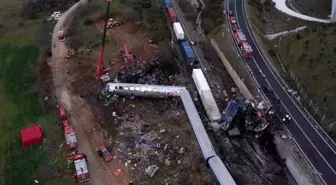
(141, 122)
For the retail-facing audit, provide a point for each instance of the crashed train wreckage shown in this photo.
(219, 169)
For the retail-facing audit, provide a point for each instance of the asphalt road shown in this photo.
(321, 154)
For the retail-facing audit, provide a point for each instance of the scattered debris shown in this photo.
(117, 172)
(234, 132)
(151, 170)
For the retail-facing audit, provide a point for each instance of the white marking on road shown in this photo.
(266, 62)
(289, 98)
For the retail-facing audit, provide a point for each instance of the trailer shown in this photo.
(166, 3)
(172, 15)
(206, 96)
(188, 53)
(179, 33)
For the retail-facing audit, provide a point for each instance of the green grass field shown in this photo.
(20, 108)
(312, 56)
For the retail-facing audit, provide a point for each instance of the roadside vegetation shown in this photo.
(25, 97)
(212, 15)
(310, 54)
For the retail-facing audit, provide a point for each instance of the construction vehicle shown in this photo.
(61, 35)
(70, 136)
(79, 161)
(54, 16)
(112, 23)
(128, 57)
(102, 73)
(103, 152)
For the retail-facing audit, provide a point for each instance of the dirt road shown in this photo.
(81, 116)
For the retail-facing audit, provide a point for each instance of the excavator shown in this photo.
(112, 23)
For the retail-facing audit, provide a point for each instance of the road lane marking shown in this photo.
(265, 61)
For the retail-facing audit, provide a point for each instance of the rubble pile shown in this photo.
(153, 72)
(156, 147)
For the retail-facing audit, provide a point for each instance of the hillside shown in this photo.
(321, 8)
(310, 54)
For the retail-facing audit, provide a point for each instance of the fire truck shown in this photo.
(70, 136)
(61, 114)
(240, 37)
(246, 50)
(79, 161)
(61, 35)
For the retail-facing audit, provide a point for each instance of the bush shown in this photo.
(88, 21)
(33, 8)
(298, 36)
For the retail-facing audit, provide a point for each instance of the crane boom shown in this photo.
(100, 68)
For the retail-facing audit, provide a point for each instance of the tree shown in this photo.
(88, 21)
(298, 36)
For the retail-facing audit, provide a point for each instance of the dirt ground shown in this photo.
(141, 122)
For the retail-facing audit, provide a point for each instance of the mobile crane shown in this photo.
(102, 73)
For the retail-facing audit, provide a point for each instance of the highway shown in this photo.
(319, 152)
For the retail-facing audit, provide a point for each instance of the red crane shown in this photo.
(101, 72)
(128, 57)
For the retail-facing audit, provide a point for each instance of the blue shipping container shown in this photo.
(167, 3)
(188, 53)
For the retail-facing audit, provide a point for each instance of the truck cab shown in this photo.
(103, 152)
(80, 163)
(61, 35)
(70, 136)
(246, 50)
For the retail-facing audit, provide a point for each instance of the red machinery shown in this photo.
(61, 114)
(246, 50)
(61, 35)
(101, 72)
(82, 172)
(70, 136)
(103, 152)
(127, 57)
(240, 37)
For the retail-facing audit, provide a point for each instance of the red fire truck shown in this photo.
(246, 50)
(82, 173)
(70, 136)
(61, 35)
(240, 37)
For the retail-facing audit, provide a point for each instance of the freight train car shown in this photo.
(207, 98)
(188, 53)
(172, 15)
(166, 3)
